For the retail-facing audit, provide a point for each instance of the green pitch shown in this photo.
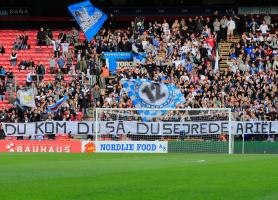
(138, 176)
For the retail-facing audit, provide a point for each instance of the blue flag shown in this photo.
(153, 95)
(114, 58)
(55, 106)
(89, 18)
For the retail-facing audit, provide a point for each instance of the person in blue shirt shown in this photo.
(2, 73)
(233, 54)
(254, 69)
(253, 55)
(248, 50)
(61, 63)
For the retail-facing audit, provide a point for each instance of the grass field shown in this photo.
(138, 176)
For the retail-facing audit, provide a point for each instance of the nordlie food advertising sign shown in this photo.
(125, 146)
(40, 146)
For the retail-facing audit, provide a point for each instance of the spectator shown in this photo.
(52, 64)
(223, 28)
(65, 47)
(82, 65)
(61, 64)
(31, 64)
(253, 25)
(199, 25)
(59, 75)
(2, 133)
(2, 91)
(105, 72)
(41, 37)
(24, 44)
(230, 29)
(40, 70)
(216, 28)
(2, 73)
(13, 58)
(75, 35)
(267, 20)
(275, 64)
(96, 93)
(56, 46)
(69, 56)
(23, 65)
(48, 34)
(18, 43)
(10, 77)
(2, 49)
(264, 29)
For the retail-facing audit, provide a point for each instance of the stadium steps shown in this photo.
(224, 48)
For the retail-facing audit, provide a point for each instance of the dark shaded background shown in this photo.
(59, 7)
(54, 13)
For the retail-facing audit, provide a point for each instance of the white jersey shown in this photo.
(231, 24)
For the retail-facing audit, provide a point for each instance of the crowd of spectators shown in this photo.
(183, 53)
(21, 42)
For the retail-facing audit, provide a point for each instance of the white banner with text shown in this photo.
(139, 128)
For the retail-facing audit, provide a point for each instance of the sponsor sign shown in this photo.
(139, 128)
(125, 146)
(40, 146)
(14, 11)
(272, 10)
(122, 60)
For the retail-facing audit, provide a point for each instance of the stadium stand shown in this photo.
(185, 53)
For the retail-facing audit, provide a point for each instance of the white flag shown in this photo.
(27, 98)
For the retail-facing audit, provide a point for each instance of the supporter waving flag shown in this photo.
(89, 18)
(55, 106)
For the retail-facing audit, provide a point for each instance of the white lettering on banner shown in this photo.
(125, 146)
(140, 128)
(125, 65)
(38, 148)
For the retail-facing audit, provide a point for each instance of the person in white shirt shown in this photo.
(223, 28)
(13, 58)
(275, 64)
(56, 46)
(263, 28)
(65, 47)
(165, 27)
(231, 25)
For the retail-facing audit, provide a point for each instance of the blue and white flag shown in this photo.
(149, 94)
(115, 60)
(89, 18)
(26, 98)
(57, 105)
